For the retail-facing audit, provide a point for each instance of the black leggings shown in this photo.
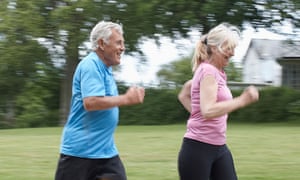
(202, 161)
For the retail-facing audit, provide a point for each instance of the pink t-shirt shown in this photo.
(211, 131)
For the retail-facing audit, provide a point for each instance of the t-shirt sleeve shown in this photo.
(92, 80)
(207, 70)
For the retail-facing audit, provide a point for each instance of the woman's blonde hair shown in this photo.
(222, 35)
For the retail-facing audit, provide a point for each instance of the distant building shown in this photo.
(290, 62)
(272, 62)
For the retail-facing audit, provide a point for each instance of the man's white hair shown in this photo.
(103, 30)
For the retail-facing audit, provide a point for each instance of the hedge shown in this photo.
(161, 106)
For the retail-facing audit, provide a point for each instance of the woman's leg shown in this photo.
(223, 166)
(195, 160)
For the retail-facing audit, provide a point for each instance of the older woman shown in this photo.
(204, 154)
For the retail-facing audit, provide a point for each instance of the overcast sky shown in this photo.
(134, 73)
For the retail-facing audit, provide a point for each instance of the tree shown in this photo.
(233, 72)
(178, 72)
(38, 104)
(67, 23)
(153, 19)
(175, 73)
(20, 53)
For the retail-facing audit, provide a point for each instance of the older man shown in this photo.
(88, 150)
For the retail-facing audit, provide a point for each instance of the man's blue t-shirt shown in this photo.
(89, 134)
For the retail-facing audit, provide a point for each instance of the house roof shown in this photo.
(273, 49)
(292, 49)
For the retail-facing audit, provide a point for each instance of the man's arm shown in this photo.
(134, 95)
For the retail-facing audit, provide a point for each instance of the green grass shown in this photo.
(261, 152)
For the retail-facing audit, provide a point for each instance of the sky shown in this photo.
(134, 73)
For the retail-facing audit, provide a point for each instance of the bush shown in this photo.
(162, 107)
(274, 105)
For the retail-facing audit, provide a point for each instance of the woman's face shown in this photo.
(223, 55)
(227, 53)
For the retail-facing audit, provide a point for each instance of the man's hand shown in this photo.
(135, 95)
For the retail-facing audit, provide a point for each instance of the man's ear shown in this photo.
(101, 44)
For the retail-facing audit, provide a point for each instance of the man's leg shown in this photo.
(70, 168)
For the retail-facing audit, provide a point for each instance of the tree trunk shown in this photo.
(72, 59)
(9, 118)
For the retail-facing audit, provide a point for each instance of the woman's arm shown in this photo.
(210, 108)
(184, 95)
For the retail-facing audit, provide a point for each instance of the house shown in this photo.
(272, 62)
(290, 63)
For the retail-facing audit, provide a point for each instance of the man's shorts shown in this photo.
(75, 168)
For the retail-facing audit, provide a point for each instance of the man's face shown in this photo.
(113, 50)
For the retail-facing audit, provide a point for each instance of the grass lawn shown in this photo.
(261, 152)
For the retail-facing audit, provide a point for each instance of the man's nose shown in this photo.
(123, 47)
(231, 53)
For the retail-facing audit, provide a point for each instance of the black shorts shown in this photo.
(75, 168)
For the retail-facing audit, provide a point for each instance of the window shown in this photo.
(291, 75)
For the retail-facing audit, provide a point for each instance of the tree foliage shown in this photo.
(151, 19)
(65, 25)
(178, 72)
(175, 73)
(20, 53)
